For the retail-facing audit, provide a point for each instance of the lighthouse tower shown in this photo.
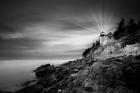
(103, 39)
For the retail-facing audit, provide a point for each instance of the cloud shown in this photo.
(50, 29)
(53, 39)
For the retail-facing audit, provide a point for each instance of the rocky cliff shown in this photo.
(107, 69)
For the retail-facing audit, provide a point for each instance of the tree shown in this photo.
(138, 26)
(131, 27)
(86, 52)
(95, 45)
(120, 32)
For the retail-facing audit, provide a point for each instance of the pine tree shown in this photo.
(131, 27)
(120, 32)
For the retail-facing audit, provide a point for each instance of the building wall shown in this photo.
(110, 40)
(103, 40)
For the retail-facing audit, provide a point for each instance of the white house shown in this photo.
(106, 38)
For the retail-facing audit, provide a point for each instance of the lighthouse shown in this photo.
(102, 39)
(106, 39)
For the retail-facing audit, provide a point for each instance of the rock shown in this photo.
(59, 91)
(44, 70)
(89, 89)
(113, 75)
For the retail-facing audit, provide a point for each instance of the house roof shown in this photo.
(102, 34)
(110, 34)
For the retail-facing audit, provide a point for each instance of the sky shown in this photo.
(57, 29)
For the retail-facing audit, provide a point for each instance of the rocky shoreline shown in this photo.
(113, 75)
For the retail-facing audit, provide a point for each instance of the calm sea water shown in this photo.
(15, 72)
